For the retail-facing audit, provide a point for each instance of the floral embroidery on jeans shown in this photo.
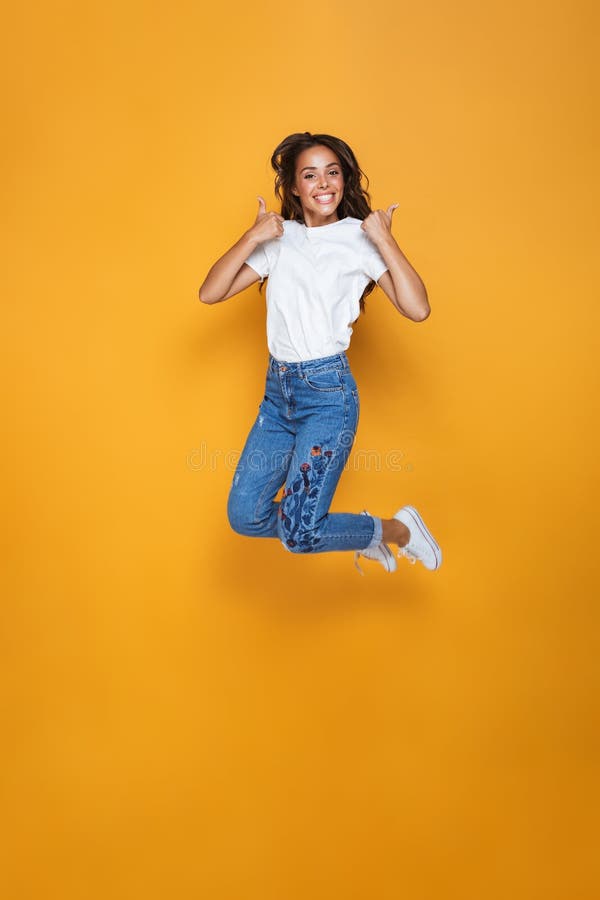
(298, 501)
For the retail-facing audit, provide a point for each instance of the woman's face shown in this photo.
(319, 184)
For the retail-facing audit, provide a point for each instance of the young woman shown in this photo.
(322, 255)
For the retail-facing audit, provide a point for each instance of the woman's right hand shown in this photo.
(267, 225)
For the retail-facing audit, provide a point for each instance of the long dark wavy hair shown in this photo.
(355, 201)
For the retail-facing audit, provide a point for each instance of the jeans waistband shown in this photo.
(337, 361)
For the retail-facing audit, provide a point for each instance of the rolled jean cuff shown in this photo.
(377, 533)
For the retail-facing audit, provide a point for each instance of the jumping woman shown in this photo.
(323, 254)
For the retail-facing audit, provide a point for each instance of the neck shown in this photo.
(313, 220)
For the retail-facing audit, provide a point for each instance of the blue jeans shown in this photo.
(302, 437)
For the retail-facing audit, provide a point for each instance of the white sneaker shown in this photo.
(421, 546)
(381, 553)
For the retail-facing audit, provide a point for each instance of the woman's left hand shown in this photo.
(378, 224)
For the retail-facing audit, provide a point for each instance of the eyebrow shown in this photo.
(314, 167)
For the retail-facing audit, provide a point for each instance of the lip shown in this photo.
(331, 195)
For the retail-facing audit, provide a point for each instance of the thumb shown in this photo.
(262, 207)
(391, 209)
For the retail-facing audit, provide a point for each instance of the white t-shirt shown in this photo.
(316, 278)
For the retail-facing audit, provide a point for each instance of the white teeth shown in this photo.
(324, 197)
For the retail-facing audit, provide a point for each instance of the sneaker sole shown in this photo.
(389, 557)
(437, 552)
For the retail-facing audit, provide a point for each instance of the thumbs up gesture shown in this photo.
(267, 225)
(378, 224)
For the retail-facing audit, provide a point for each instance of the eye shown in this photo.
(331, 172)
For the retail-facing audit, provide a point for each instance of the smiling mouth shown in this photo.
(324, 199)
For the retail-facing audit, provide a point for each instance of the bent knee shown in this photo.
(238, 517)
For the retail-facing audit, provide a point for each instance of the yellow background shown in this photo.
(190, 713)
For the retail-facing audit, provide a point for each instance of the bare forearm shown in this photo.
(411, 294)
(221, 274)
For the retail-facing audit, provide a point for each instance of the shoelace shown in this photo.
(402, 551)
(356, 555)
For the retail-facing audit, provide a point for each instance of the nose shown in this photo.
(323, 181)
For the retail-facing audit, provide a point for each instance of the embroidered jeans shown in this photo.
(301, 440)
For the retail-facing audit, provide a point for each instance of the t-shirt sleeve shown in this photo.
(373, 263)
(262, 259)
